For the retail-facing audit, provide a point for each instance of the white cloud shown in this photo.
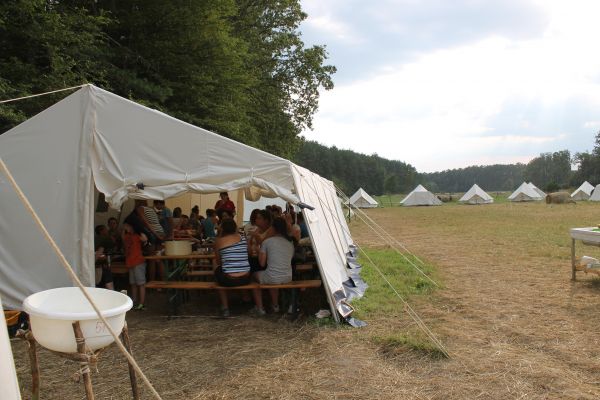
(328, 26)
(446, 107)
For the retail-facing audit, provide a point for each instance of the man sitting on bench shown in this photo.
(275, 254)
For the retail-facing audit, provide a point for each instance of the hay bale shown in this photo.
(559, 198)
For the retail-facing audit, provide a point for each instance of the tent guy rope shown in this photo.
(391, 241)
(345, 198)
(411, 312)
(73, 276)
(41, 94)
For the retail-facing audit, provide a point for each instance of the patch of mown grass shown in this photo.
(380, 299)
(328, 322)
(395, 344)
(392, 200)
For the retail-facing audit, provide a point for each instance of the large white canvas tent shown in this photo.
(421, 197)
(583, 192)
(539, 191)
(361, 199)
(94, 139)
(476, 195)
(595, 194)
(525, 192)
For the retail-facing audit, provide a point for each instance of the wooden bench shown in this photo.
(203, 285)
(306, 267)
(175, 286)
(194, 273)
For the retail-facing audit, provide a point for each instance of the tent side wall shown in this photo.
(326, 232)
(44, 154)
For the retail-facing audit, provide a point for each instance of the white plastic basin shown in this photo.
(52, 312)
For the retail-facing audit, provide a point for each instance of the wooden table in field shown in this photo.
(589, 236)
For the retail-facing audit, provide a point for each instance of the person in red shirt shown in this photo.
(224, 204)
(135, 262)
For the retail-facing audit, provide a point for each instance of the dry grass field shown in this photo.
(514, 323)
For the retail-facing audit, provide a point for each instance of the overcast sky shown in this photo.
(445, 84)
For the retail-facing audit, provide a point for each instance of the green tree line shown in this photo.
(236, 67)
(549, 171)
(588, 165)
(496, 177)
(350, 170)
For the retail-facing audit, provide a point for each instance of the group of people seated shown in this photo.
(262, 251)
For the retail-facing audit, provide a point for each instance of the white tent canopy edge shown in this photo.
(96, 138)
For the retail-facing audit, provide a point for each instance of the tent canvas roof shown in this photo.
(421, 197)
(362, 199)
(525, 192)
(539, 191)
(96, 139)
(476, 195)
(583, 192)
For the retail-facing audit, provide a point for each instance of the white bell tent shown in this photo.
(583, 192)
(539, 191)
(421, 197)
(361, 199)
(94, 139)
(595, 194)
(476, 195)
(525, 192)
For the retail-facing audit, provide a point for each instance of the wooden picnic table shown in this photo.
(588, 236)
(187, 257)
(176, 267)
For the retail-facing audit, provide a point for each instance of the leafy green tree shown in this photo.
(236, 67)
(288, 75)
(550, 168)
(352, 170)
(48, 45)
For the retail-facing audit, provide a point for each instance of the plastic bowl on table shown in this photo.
(52, 313)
